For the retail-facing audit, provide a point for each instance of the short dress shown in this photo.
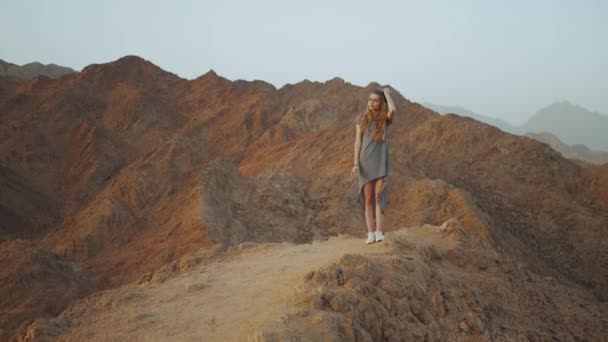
(373, 163)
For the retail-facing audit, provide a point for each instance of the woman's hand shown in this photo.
(354, 172)
(389, 100)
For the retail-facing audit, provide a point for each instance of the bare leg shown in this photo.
(379, 216)
(368, 195)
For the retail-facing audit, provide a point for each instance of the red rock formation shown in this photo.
(110, 169)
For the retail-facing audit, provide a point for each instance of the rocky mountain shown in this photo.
(570, 123)
(423, 282)
(31, 70)
(125, 174)
(575, 152)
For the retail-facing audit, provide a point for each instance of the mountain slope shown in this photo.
(518, 185)
(465, 112)
(577, 152)
(134, 168)
(570, 123)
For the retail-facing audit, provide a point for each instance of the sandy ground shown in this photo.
(421, 282)
(221, 301)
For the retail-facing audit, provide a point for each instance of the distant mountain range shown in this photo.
(572, 124)
(576, 152)
(32, 70)
(465, 112)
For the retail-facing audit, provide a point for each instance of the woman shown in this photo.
(371, 160)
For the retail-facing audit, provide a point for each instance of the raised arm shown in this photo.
(391, 104)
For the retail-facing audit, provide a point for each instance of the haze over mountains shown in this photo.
(137, 204)
(573, 124)
(570, 123)
(574, 152)
(30, 70)
(465, 112)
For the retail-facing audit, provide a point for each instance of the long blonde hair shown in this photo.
(378, 133)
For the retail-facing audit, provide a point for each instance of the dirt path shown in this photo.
(221, 301)
(436, 282)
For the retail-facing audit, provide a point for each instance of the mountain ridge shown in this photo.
(33, 69)
(138, 168)
(561, 118)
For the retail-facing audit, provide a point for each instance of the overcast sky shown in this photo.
(503, 59)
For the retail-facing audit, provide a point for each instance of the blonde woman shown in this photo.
(371, 160)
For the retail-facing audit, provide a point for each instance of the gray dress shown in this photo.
(373, 163)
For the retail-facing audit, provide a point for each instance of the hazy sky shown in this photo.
(504, 59)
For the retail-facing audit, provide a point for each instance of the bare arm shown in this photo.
(357, 144)
(355, 169)
(391, 104)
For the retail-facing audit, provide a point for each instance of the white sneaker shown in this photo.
(378, 236)
(370, 238)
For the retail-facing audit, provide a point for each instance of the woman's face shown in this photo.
(374, 103)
